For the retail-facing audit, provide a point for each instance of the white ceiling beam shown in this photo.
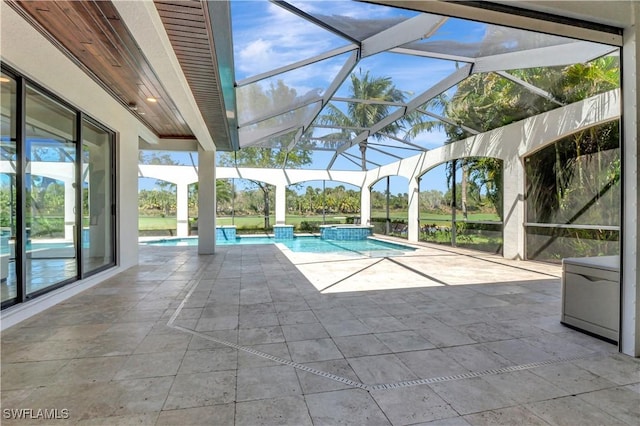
(434, 55)
(326, 126)
(249, 137)
(530, 87)
(299, 64)
(469, 10)
(563, 54)
(416, 28)
(270, 113)
(347, 154)
(359, 165)
(395, 146)
(383, 152)
(395, 138)
(416, 102)
(368, 101)
(342, 75)
(305, 125)
(448, 121)
(443, 85)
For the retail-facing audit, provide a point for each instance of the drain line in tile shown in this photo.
(353, 383)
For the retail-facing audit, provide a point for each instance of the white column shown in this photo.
(127, 241)
(513, 208)
(69, 210)
(182, 213)
(413, 233)
(206, 201)
(365, 205)
(630, 331)
(281, 204)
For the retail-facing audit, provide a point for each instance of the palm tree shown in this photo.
(364, 114)
(488, 101)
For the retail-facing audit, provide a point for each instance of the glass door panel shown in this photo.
(97, 220)
(50, 205)
(8, 164)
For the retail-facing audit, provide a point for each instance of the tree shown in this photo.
(363, 114)
(256, 100)
(487, 101)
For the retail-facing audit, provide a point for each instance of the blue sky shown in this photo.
(266, 37)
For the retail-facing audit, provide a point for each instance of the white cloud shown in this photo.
(284, 37)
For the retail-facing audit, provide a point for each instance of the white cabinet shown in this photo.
(591, 294)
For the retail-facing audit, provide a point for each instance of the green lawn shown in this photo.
(156, 223)
(146, 223)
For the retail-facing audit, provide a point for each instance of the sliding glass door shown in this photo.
(97, 218)
(57, 211)
(50, 203)
(8, 164)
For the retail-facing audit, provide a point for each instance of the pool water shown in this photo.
(368, 247)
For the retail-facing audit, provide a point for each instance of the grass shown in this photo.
(156, 223)
(146, 223)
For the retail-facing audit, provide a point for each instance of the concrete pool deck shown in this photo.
(243, 337)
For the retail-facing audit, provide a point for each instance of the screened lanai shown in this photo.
(516, 123)
(371, 91)
(436, 123)
(369, 84)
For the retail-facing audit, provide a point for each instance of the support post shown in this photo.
(388, 219)
(206, 201)
(281, 204)
(365, 205)
(513, 234)
(324, 201)
(630, 292)
(453, 202)
(413, 233)
(182, 219)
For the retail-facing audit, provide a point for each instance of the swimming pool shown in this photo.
(308, 244)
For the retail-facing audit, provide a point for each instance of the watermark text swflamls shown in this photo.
(35, 414)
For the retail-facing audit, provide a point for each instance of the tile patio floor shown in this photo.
(439, 336)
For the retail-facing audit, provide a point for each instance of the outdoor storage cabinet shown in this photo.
(591, 294)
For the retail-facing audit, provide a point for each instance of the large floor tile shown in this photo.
(313, 350)
(150, 365)
(410, 405)
(473, 395)
(207, 360)
(617, 368)
(620, 402)
(404, 341)
(293, 332)
(509, 416)
(431, 363)
(109, 356)
(378, 369)
(279, 411)
(200, 389)
(572, 378)
(345, 407)
(224, 414)
(26, 375)
(267, 382)
(361, 345)
(314, 383)
(571, 411)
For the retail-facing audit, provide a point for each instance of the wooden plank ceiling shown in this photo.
(188, 26)
(93, 35)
